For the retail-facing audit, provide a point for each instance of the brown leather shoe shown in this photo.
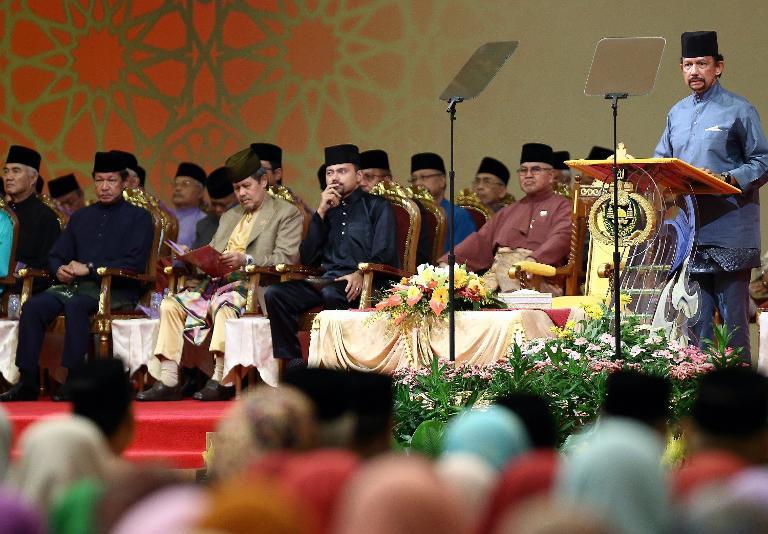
(160, 392)
(214, 391)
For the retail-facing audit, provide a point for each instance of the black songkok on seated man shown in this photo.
(495, 167)
(699, 44)
(321, 176)
(537, 152)
(24, 156)
(731, 403)
(374, 159)
(339, 154)
(599, 153)
(142, 174)
(218, 184)
(193, 171)
(644, 398)
(559, 158)
(219, 187)
(427, 160)
(101, 392)
(63, 185)
(269, 152)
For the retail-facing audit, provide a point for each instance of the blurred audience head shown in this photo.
(535, 413)
(174, 509)
(638, 396)
(17, 516)
(6, 441)
(371, 399)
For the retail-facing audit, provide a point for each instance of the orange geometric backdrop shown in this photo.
(197, 80)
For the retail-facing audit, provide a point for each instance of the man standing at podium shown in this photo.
(720, 132)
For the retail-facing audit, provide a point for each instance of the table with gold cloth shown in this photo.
(350, 339)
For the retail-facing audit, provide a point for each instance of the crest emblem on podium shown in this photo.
(634, 216)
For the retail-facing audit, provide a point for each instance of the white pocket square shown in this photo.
(714, 128)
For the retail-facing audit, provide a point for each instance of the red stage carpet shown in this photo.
(169, 432)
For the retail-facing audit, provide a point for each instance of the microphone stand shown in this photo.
(452, 102)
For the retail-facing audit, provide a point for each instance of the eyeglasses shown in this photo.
(535, 170)
(425, 176)
(487, 180)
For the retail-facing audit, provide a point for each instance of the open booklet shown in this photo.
(206, 258)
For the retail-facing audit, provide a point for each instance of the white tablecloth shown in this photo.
(248, 343)
(9, 338)
(762, 354)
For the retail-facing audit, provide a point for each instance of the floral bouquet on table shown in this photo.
(425, 294)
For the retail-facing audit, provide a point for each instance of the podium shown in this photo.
(656, 218)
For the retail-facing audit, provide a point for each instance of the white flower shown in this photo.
(607, 338)
(579, 341)
(637, 349)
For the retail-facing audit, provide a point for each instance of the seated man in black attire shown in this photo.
(350, 226)
(110, 233)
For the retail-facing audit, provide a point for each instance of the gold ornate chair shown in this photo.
(469, 200)
(433, 225)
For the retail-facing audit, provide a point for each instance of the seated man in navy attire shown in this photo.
(350, 226)
(110, 233)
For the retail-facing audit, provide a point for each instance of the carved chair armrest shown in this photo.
(28, 274)
(255, 272)
(368, 270)
(296, 271)
(123, 273)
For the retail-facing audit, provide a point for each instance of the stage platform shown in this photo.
(169, 433)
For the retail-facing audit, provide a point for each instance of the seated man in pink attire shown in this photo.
(536, 228)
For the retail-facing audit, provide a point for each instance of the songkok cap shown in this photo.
(112, 161)
(39, 184)
(598, 152)
(196, 172)
(374, 159)
(219, 184)
(427, 160)
(338, 154)
(321, 176)
(559, 158)
(731, 402)
(494, 167)
(130, 160)
(269, 152)
(101, 392)
(699, 44)
(24, 156)
(58, 187)
(242, 165)
(536, 152)
(142, 174)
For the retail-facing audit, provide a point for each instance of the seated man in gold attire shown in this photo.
(260, 230)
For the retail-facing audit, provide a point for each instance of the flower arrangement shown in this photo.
(569, 370)
(425, 294)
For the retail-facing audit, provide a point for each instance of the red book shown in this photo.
(208, 260)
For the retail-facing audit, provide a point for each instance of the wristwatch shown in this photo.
(249, 259)
(727, 178)
(91, 269)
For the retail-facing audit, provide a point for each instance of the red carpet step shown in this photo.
(172, 433)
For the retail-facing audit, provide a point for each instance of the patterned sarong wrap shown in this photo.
(202, 303)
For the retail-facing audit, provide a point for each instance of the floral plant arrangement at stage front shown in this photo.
(425, 294)
(568, 370)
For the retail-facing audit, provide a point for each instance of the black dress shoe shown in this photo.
(160, 392)
(62, 395)
(295, 364)
(20, 392)
(214, 391)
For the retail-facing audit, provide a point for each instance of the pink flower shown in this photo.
(437, 306)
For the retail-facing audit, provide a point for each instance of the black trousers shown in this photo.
(38, 312)
(287, 300)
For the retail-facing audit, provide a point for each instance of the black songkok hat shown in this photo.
(338, 154)
(374, 159)
(638, 396)
(39, 184)
(598, 152)
(58, 187)
(112, 161)
(130, 160)
(699, 44)
(192, 170)
(24, 156)
(731, 402)
(321, 176)
(101, 392)
(559, 158)
(328, 389)
(494, 167)
(269, 152)
(242, 165)
(536, 152)
(142, 174)
(427, 160)
(219, 184)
